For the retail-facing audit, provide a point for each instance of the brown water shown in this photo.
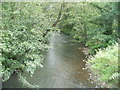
(63, 66)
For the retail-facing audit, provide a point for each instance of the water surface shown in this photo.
(63, 66)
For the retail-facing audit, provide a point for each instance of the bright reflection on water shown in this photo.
(62, 66)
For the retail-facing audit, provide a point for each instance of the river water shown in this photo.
(63, 66)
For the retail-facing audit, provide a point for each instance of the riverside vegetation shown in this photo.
(25, 29)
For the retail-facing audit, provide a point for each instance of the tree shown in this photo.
(23, 39)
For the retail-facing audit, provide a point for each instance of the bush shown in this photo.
(23, 38)
(93, 24)
(105, 65)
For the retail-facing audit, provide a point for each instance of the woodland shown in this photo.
(26, 27)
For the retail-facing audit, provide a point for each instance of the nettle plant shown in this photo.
(105, 65)
(24, 36)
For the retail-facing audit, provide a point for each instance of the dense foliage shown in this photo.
(105, 65)
(27, 26)
(94, 24)
(24, 35)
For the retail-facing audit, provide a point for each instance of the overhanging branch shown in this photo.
(59, 15)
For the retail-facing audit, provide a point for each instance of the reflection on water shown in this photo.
(62, 66)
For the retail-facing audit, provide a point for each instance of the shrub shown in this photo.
(23, 38)
(104, 64)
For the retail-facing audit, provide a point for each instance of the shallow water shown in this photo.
(63, 66)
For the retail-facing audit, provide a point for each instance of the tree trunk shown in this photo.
(59, 15)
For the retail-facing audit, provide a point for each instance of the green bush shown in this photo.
(94, 24)
(105, 65)
(23, 38)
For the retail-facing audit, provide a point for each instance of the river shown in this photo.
(63, 66)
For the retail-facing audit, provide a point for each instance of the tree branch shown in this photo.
(59, 15)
